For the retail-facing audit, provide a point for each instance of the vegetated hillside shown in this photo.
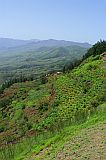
(38, 117)
(28, 62)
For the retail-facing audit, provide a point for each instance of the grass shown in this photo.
(51, 146)
(55, 111)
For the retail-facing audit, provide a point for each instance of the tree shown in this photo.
(97, 49)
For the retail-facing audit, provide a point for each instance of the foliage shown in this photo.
(42, 108)
(37, 62)
(97, 49)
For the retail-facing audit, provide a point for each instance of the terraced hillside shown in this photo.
(39, 117)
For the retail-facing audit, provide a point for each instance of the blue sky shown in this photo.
(76, 20)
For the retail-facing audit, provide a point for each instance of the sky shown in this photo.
(75, 20)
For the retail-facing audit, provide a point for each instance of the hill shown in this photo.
(8, 43)
(27, 61)
(40, 118)
(81, 141)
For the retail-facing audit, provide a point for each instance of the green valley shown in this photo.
(26, 61)
(56, 115)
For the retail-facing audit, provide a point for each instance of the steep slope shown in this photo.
(41, 110)
(81, 141)
(89, 144)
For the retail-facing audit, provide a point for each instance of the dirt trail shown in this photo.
(89, 145)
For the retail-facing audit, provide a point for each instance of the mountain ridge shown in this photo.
(6, 43)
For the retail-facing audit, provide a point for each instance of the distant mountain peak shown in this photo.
(6, 43)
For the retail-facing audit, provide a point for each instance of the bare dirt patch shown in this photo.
(89, 145)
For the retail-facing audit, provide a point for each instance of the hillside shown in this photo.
(85, 141)
(45, 118)
(29, 61)
(34, 108)
(8, 43)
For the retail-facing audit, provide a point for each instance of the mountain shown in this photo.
(6, 43)
(60, 115)
(53, 42)
(36, 61)
(36, 56)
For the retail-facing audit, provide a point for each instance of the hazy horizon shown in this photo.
(43, 39)
(70, 20)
